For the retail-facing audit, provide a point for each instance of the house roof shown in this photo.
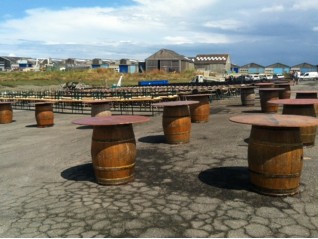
(277, 65)
(165, 54)
(211, 58)
(252, 65)
(304, 65)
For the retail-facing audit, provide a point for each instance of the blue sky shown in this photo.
(259, 31)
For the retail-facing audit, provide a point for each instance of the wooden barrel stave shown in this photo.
(176, 122)
(275, 160)
(44, 115)
(113, 153)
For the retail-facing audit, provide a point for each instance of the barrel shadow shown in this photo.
(233, 178)
(84, 172)
(85, 127)
(252, 111)
(153, 139)
(32, 126)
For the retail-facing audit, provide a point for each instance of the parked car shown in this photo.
(309, 76)
(278, 76)
(255, 77)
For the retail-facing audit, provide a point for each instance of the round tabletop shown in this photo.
(294, 101)
(43, 103)
(275, 120)
(111, 120)
(271, 89)
(176, 103)
(97, 101)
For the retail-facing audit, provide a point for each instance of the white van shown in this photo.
(309, 76)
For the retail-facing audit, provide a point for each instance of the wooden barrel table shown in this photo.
(6, 113)
(176, 121)
(307, 95)
(44, 114)
(267, 94)
(248, 95)
(99, 107)
(304, 107)
(286, 93)
(199, 112)
(275, 151)
(113, 147)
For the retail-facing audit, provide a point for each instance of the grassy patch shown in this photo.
(93, 77)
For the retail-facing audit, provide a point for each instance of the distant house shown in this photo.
(304, 67)
(277, 68)
(169, 61)
(8, 63)
(97, 63)
(235, 68)
(252, 68)
(219, 63)
(128, 66)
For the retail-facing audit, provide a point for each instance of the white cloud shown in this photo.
(306, 5)
(276, 8)
(136, 29)
(227, 24)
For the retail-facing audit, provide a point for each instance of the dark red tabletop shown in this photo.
(176, 103)
(294, 101)
(275, 120)
(271, 89)
(43, 103)
(111, 120)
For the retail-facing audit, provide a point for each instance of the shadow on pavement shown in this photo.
(154, 139)
(84, 172)
(227, 178)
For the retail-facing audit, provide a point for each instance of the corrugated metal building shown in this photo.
(7, 62)
(128, 66)
(168, 61)
(304, 67)
(277, 68)
(219, 63)
(252, 68)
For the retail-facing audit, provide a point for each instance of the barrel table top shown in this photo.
(294, 101)
(43, 103)
(176, 103)
(111, 120)
(275, 120)
(271, 89)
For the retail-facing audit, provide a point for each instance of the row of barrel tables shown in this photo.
(275, 149)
